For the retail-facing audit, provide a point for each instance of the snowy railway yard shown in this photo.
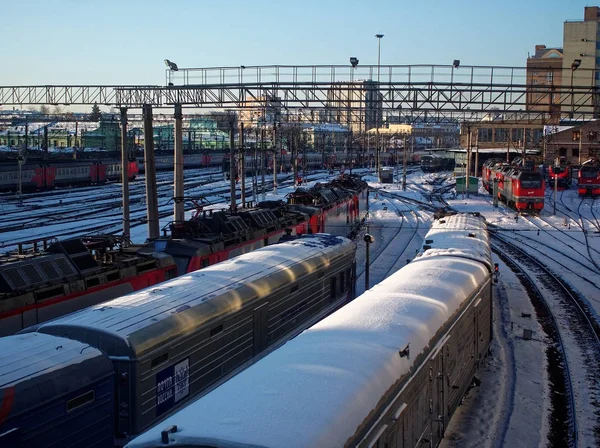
(539, 384)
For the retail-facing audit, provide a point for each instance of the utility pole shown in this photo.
(124, 175)
(274, 157)
(263, 156)
(242, 166)
(179, 211)
(150, 168)
(404, 165)
(377, 110)
(233, 202)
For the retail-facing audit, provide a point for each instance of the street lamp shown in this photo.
(456, 63)
(172, 66)
(353, 62)
(379, 37)
(574, 66)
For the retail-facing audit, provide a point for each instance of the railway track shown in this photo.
(574, 347)
(390, 258)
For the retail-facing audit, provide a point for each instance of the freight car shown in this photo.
(387, 370)
(171, 343)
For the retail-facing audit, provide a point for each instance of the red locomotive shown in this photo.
(588, 178)
(73, 274)
(560, 174)
(520, 188)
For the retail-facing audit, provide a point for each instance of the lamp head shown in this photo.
(456, 63)
(378, 36)
(171, 65)
(575, 65)
(354, 62)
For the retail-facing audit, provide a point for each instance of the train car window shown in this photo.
(321, 274)
(294, 289)
(81, 400)
(349, 278)
(216, 330)
(332, 288)
(205, 262)
(159, 360)
(342, 281)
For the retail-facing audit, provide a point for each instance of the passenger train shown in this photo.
(520, 188)
(163, 346)
(72, 274)
(49, 174)
(387, 370)
(45, 175)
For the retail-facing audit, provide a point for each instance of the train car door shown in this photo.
(437, 404)
(261, 328)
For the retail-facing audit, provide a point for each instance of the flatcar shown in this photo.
(387, 370)
(54, 392)
(588, 179)
(170, 343)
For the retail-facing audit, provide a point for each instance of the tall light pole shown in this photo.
(574, 66)
(379, 37)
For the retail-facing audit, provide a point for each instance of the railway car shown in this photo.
(171, 343)
(588, 179)
(73, 274)
(387, 370)
(487, 179)
(431, 163)
(48, 174)
(337, 208)
(54, 392)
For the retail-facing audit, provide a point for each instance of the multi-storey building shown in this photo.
(544, 72)
(355, 104)
(581, 63)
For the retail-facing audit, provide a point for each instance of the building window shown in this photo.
(562, 152)
(575, 152)
(575, 136)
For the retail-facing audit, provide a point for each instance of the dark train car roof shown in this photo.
(37, 367)
(142, 321)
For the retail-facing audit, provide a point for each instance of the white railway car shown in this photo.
(172, 342)
(388, 369)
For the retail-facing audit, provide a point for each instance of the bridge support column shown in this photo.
(242, 167)
(232, 172)
(125, 174)
(179, 210)
(150, 167)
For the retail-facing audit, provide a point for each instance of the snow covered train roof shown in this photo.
(142, 320)
(464, 235)
(39, 367)
(319, 387)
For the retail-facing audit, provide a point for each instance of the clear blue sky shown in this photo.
(126, 41)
